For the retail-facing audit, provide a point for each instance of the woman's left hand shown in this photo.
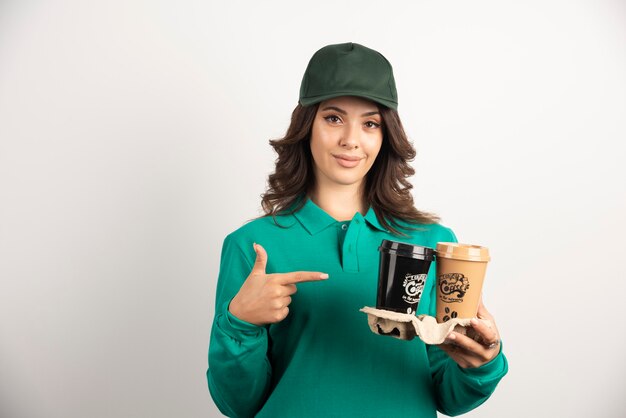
(469, 353)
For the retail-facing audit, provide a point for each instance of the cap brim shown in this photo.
(307, 101)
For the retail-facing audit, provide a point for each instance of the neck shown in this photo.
(340, 201)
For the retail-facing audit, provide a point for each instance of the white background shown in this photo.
(134, 137)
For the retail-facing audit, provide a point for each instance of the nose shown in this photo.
(349, 138)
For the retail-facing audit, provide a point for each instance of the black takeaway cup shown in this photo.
(401, 275)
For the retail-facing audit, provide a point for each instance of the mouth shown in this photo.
(347, 161)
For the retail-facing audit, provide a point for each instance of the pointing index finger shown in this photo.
(301, 276)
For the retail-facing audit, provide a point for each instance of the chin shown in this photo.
(347, 180)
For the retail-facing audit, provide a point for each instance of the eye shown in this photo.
(371, 124)
(332, 118)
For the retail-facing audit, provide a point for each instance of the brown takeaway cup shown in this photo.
(460, 274)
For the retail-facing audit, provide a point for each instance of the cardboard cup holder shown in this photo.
(408, 326)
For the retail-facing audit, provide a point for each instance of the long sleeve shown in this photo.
(460, 390)
(239, 371)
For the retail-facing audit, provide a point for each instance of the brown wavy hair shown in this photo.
(387, 189)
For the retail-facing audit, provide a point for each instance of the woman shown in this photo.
(288, 339)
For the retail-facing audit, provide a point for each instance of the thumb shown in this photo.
(483, 313)
(261, 259)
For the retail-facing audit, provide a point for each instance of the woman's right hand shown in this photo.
(265, 298)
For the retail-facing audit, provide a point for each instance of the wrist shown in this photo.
(235, 327)
(233, 308)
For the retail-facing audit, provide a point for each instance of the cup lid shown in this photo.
(458, 251)
(407, 250)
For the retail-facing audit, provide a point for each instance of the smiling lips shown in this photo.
(347, 161)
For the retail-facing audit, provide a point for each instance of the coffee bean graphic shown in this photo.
(449, 314)
(446, 317)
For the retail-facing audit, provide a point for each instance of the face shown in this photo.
(346, 137)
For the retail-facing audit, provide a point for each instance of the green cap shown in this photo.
(348, 70)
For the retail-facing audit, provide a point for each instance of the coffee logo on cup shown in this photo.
(450, 283)
(413, 286)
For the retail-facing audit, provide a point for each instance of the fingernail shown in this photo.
(254, 246)
(452, 337)
(324, 276)
(474, 321)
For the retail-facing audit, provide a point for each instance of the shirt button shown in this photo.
(344, 227)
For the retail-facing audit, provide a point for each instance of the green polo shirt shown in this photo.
(323, 360)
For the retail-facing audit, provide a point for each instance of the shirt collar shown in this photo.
(371, 218)
(314, 219)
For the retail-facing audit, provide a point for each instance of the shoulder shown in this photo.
(426, 234)
(266, 226)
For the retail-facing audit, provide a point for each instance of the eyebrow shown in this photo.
(343, 112)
